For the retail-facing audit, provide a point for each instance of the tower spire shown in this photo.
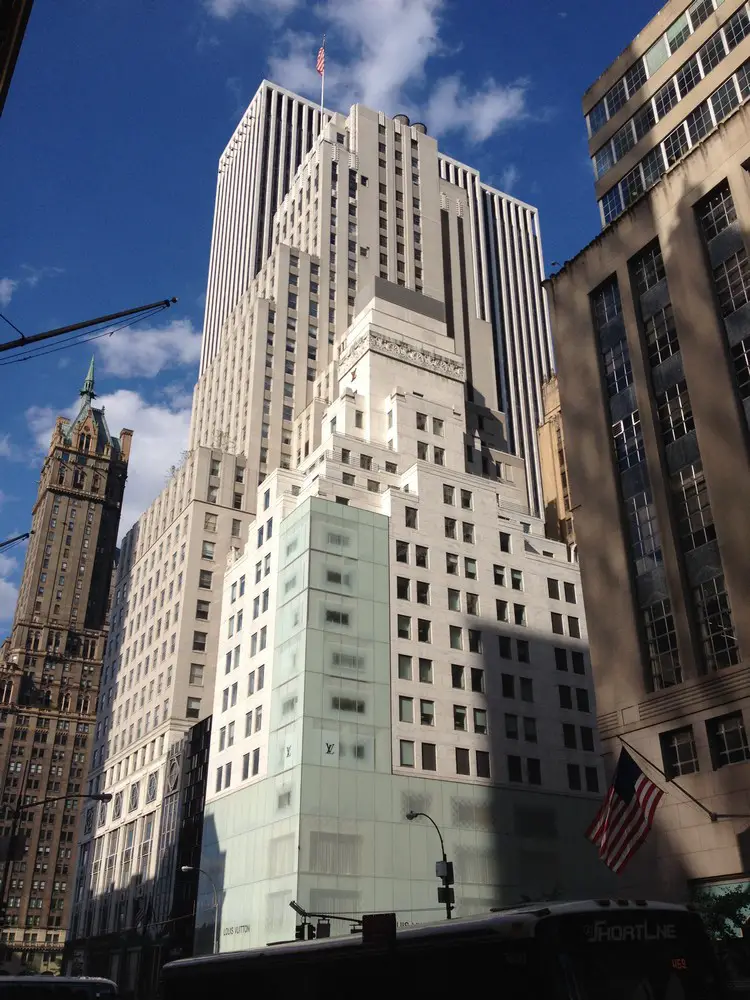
(87, 392)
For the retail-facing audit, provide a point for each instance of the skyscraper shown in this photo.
(50, 668)
(398, 636)
(653, 344)
(307, 220)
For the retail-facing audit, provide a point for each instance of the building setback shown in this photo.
(653, 345)
(50, 669)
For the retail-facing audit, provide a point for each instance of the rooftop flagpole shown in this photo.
(321, 68)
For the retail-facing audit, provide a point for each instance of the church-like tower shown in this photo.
(50, 669)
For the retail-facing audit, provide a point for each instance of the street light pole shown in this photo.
(22, 806)
(443, 869)
(191, 868)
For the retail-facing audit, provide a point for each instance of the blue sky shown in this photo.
(116, 117)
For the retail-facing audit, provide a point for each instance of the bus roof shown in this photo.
(521, 919)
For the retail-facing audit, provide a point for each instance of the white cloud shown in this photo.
(480, 114)
(33, 275)
(378, 51)
(509, 177)
(6, 448)
(9, 568)
(225, 9)
(7, 288)
(146, 351)
(160, 434)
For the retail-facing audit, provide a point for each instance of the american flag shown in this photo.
(320, 65)
(625, 818)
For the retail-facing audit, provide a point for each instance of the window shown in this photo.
(732, 281)
(661, 335)
(526, 688)
(715, 622)
(511, 727)
(467, 500)
(587, 738)
(459, 718)
(450, 527)
(429, 760)
(404, 667)
(456, 637)
(422, 450)
(628, 441)
(462, 761)
(618, 372)
(565, 695)
(467, 532)
(574, 777)
(741, 360)
(472, 604)
(201, 609)
(523, 654)
(402, 552)
(499, 575)
(504, 541)
(470, 569)
(193, 709)
(519, 614)
(675, 412)
(438, 455)
(427, 712)
(199, 641)
(727, 739)
(406, 753)
(421, 556)
(553, 589)
(574, 627)
(570, 592)
(457, 676)
(207, 550)
(451, 564)
(501, 609)
(196, 674)
(716, 212)
(410, 517)
(480, 721)
(405, 709)
(483, 763)
(425, 671)
(505, 647)
(678, 752)
(516, 579)
(421, 421)
(423, 592)
(694, 517)
(204, 579)
(403, 587)
(403, 626)
(424, 629)
(514, 768)
(475, 640)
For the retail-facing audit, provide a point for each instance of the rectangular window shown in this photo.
(426, 712)
(424, 630)
(719, 643)
(499, 575)
(456, 637)
(405, 709)
(403, 626)
(404, 667)
(661, 335)
(483, 763)
(692, 507)
(462, 761)
(457, 676)
(570, 592)
(193, 709)
(557, 623)
(450, 527)
(508, 685)
(511, 727)
(480, 721)
(429, 757)
(553, 589)
(716, 212)
(425, 671)
(196, 674)
(515, 772)
(470, 569)
(628, 441)
(459, 717)
(679, 752)
(732, 282)
(410, 517)
(727, 739)
(504, 541)
(675, 412)
(406, 753)
(451, 564)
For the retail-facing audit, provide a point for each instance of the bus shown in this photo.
(594, 950)
(55, 988)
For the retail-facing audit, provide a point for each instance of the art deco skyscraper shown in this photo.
(50, 668)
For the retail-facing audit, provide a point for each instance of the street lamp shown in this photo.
(190, 868)
(443, 869)
(22, 806)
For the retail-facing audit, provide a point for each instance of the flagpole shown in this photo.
(323, 82)
(714, 817)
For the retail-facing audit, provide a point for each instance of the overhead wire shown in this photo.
(76, 339)
(13, 325)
